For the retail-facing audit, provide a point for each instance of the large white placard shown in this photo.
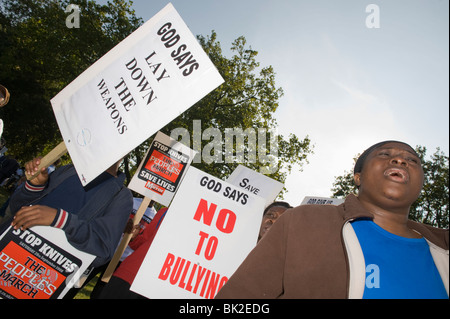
(162, 169)
(209, 229)
(139, 86)
(256, 183)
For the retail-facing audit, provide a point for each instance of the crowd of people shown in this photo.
(309, 251)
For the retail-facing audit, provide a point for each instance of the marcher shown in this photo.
(137, 232)
(93, 217)
(270, 215)
(120, 282)
(122, 279)
(363, 248)
(8, 166)
(138, 229)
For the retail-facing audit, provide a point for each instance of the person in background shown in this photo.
(138, 229)
(363, 248)
(270, 215)
(120, 282)
(137, 232)
(92, 217)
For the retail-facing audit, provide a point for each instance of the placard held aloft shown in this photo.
(139, 86)
(160, 173)
(209, 228)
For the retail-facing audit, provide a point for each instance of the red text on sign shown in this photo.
(225, 221)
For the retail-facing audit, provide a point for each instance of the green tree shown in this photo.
(344, 185)
(40, 55)
(246, 100)
(432, 206)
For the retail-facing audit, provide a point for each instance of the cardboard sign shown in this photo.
(256, 183)
(139, 86)
(32, 266)
(313, 200)
(209, 229)
(160, 173)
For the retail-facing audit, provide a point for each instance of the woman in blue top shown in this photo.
(363, 248)
(399, 264)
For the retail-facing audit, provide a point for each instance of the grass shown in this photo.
(85, 292)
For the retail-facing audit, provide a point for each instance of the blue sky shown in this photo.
(345, 85)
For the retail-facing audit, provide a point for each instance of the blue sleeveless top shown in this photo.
(397, 267)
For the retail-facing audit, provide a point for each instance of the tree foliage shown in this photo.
(246, 100)
(39, 56)
(432, 206)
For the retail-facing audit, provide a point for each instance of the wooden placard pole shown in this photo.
(125, 240)
(54, 155)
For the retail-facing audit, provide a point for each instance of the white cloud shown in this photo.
(356, 121)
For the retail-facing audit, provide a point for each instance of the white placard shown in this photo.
(209, 229)
(139, 86)
(256, 183)
(162, 169)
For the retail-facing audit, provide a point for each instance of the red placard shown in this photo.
(23, 276)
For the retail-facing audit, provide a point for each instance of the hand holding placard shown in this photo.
(125, 241)
(48, 160)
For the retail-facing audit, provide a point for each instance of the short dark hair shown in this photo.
(277, 204)
(362, 158)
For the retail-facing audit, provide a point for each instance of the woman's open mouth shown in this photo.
(398, 175)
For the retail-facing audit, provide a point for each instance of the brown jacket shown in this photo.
(312, 252)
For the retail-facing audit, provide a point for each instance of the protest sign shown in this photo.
(160, 173)
(157, 178)
(139, 86)
(209, 229)
(256, 183)
(32, 266)
(313, 200)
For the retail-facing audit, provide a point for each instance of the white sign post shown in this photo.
(139, 86)
(209, 229)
